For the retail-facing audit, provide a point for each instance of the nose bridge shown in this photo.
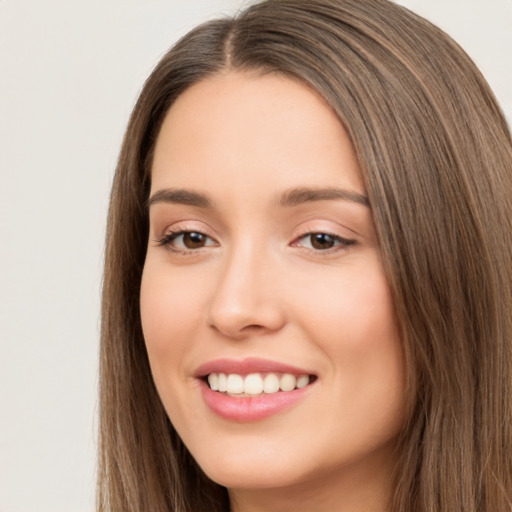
(244, 300)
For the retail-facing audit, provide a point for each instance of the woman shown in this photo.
(308, 281)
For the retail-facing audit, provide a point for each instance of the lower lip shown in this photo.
(246, 409)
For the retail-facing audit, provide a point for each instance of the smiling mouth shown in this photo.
(256, 384)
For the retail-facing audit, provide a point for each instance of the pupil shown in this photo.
(322, 241)
(193, 240)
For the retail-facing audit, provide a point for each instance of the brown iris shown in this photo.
(322, 241)
(194, 240)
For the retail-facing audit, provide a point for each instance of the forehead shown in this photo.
(241, 130)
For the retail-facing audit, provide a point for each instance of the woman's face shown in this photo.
(263, 273)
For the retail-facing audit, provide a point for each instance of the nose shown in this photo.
(245, 300)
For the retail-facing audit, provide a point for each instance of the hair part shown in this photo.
(435, 155)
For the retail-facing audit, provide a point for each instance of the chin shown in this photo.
(256, 467)
(249, 476)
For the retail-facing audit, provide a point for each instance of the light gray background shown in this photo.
(70, 72)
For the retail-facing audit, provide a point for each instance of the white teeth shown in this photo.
(213, 380)
(223, 382)
(287, 382)
(255, 384)
(271, 383)
(235, 383)
(302, 381)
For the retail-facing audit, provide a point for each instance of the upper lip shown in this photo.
(247, 366)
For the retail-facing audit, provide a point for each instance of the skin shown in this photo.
(255, 286)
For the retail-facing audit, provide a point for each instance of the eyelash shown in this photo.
(168, 238)
(341, 244)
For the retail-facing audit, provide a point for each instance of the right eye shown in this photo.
(184, 241)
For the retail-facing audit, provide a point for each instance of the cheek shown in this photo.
(354, 312)
(170, 313)
(354, 324)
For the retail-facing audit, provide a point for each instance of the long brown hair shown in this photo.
(436, 158)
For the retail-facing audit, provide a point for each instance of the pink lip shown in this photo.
(246, 366)
(246, 409)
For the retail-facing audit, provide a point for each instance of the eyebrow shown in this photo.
(298, 196)
(180, 196)
(290, 198)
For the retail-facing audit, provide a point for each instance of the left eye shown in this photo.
(323, 241)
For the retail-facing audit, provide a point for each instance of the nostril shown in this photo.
(253, 327)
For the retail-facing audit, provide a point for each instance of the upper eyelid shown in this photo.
(340, 238)
(312, 227)
(308, 231)
(185, 226)
(212, 217)
(179, 232)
